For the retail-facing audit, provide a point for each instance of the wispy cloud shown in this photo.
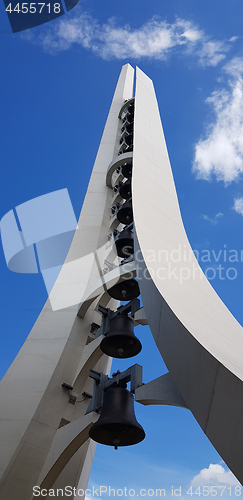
(238, 205)
(234, 67)
(212, 52)
(215, 474)
(155, 39)
(220, 153)
(214, 220)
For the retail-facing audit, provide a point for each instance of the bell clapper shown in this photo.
(116, 442)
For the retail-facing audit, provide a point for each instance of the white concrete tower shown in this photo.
(44, 429)
(44, 426)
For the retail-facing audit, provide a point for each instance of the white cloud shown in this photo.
(213, 220)
(155, 39)
(233, 39)
(215, 474)
(212, 52)
(221, 152)
(238, 205)
(234, 67)
(64, 33)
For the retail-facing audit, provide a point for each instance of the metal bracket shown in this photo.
(134, 374)
(68, 387)
(128, 259)
(116, 233)
(132, 307)
(128, 226)
(107, 314)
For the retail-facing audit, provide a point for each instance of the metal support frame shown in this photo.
(107, 314)
(133, 374)
(116, 233)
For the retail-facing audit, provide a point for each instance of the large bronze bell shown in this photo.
(125, 190)
(125, 290)
(125, 244)
(127, 170)
(125, 214)
(117, 425)
(120, 341)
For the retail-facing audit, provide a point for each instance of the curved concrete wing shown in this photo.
(67, 441)
(117, 162)
(199, 339)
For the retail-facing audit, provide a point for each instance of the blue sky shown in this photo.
(57, 81)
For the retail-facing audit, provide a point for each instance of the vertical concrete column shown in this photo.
(34, 405)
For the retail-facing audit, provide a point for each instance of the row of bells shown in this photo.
(128, 117)
(125, 214)
(120, 341)
(117, 425)
(127, 127)
(125, 241)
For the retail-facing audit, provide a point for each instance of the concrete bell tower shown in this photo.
(45, 393)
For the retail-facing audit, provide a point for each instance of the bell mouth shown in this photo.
(124, 244)
(121, 346)
(117, 425)
(117, 434)
(125, 190)
(124, 250)
(125, 290)
(125, 215)
(127, 170)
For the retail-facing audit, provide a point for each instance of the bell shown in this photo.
(125, 190)
(125, 244)
(125, 214)
(128, 118)
(117, 425)
(127, 170)
(130, 128)
(129, 139)
(127, 127)
(120, 341)
(131, 107)
(125, 290)
(130, 111)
